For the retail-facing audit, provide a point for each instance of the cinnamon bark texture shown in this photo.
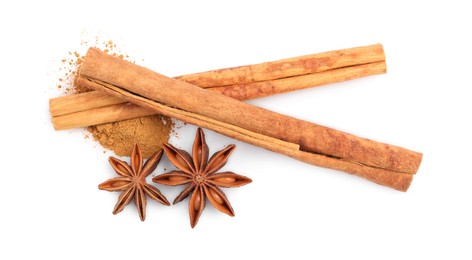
(382, 163)
(246, 82)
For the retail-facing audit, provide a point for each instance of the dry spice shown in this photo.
(199, 173)
(309, 142)
(149, 132)
(132, 182)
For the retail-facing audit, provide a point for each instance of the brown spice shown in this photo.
(132, 182)
(199, 173)
(319, 145)
(150, 133)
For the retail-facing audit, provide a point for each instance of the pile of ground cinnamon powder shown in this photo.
(150, 132)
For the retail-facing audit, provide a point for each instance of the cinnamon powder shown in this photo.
(150, 132)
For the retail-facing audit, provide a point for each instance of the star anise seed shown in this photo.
(200, 174)
(133, 183)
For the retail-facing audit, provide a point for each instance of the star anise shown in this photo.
(133, 183)
(199, 172)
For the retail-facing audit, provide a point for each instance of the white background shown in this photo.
(51, 207)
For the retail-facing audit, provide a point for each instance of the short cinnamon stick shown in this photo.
(81, 102)
(382, 163)
(100, 115)
(326, 72)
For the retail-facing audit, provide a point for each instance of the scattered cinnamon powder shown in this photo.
(68, 72)
(149, 132)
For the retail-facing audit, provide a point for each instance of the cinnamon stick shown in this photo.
(100, 115)
(81, 102)
(326, 72)
(382, 163)
(296, 66)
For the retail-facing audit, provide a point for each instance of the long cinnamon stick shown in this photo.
(326, 72)
(382, 163)
(296, 66)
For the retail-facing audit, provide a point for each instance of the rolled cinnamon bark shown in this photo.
(228, 116)
(100, 115)
(81, 102)
(290, 67)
